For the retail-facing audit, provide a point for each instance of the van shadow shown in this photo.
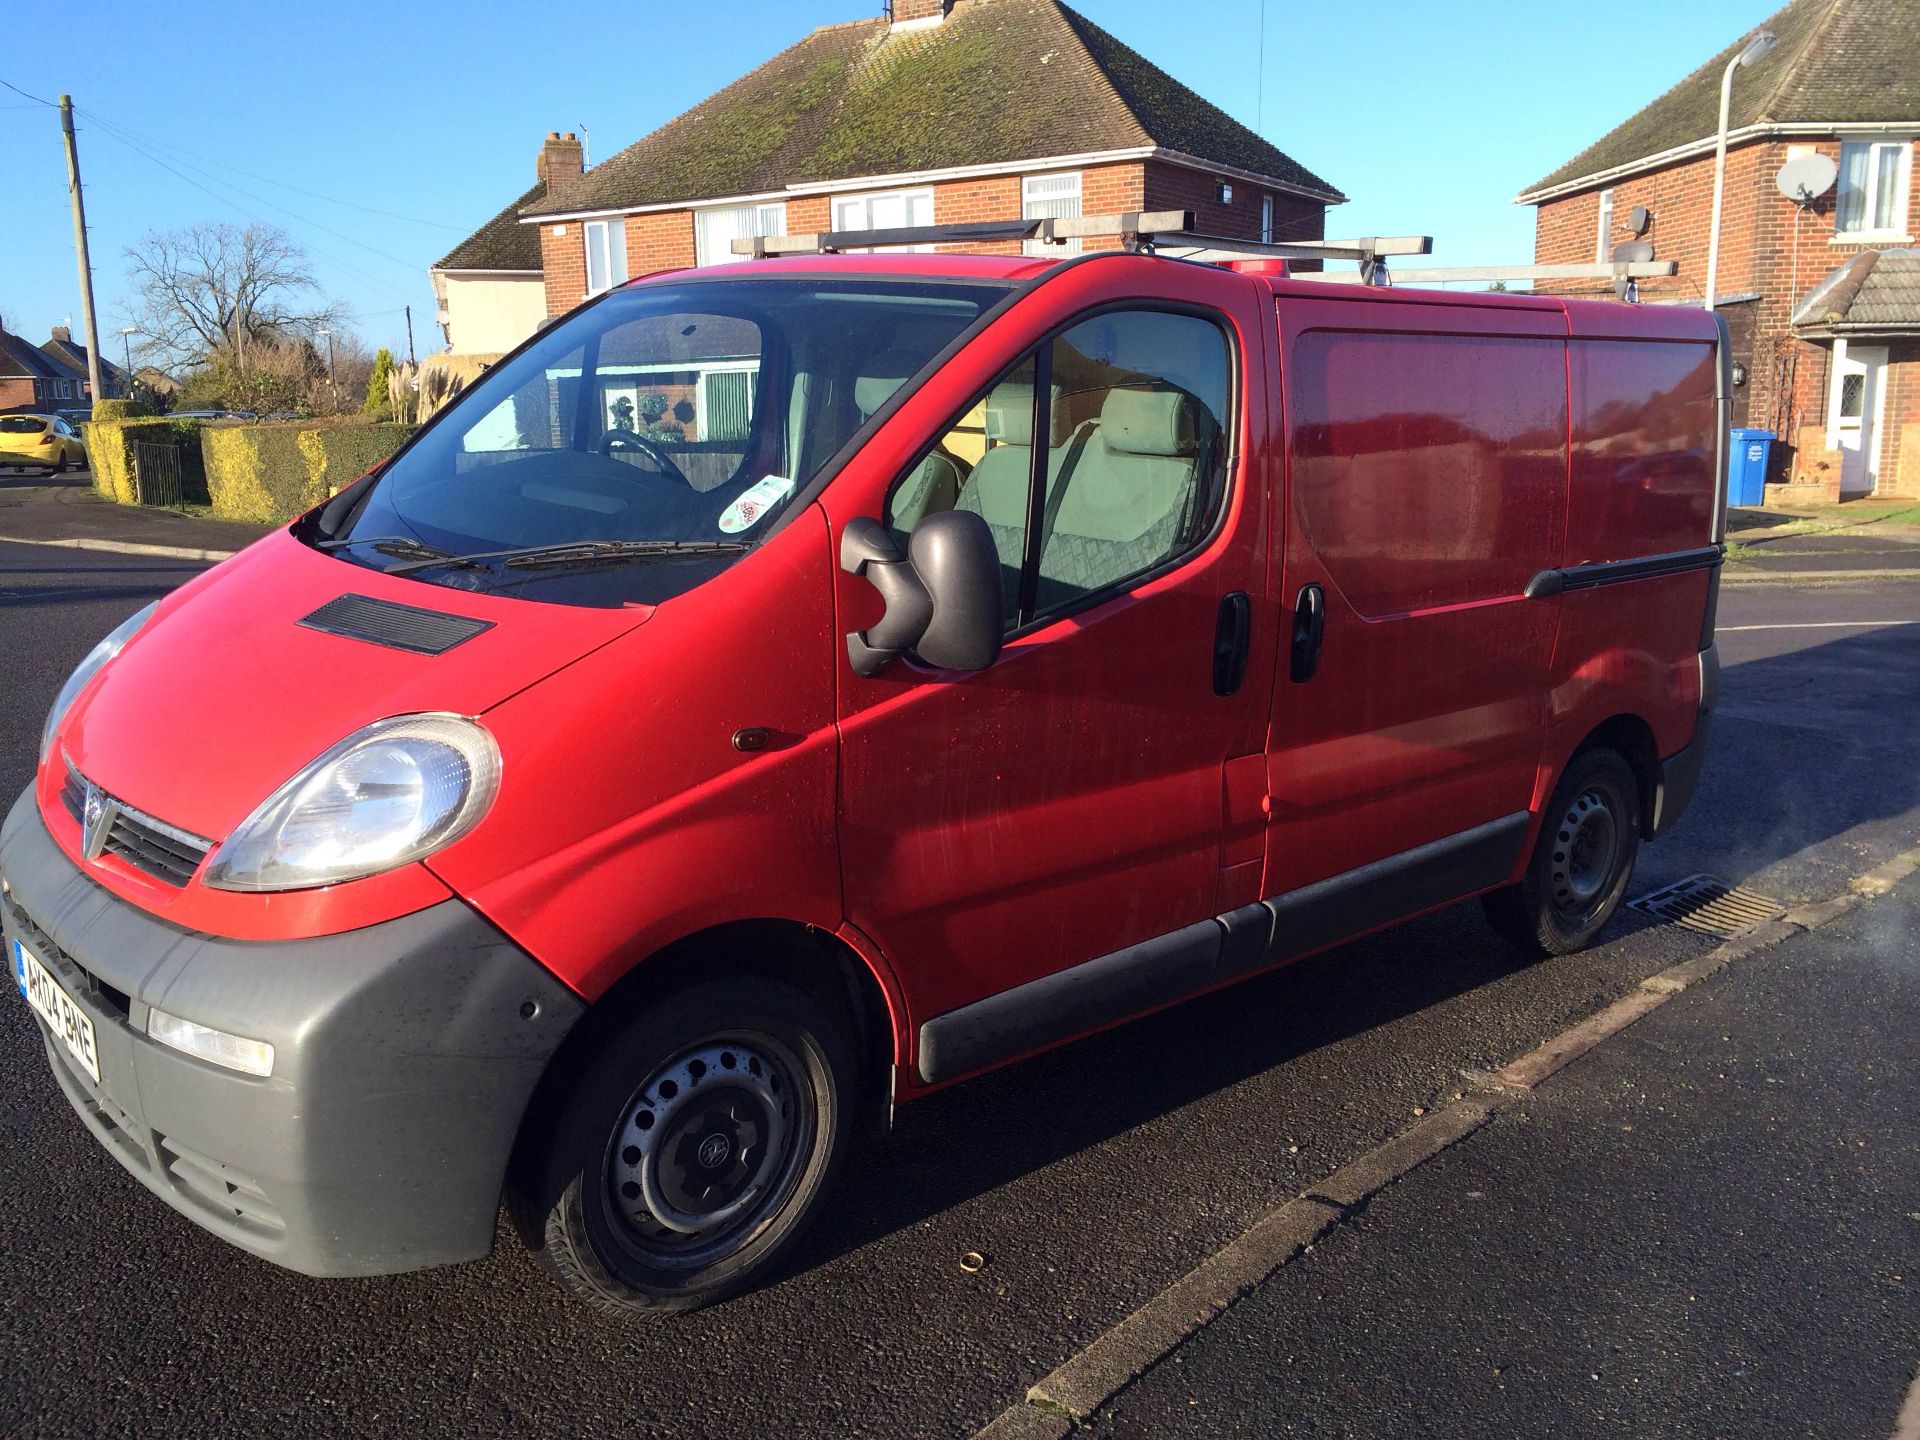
(1792, 763)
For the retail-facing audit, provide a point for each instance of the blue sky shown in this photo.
(1430, 116)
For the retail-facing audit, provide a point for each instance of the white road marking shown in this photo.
(1817, 625)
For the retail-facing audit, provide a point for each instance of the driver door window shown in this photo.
(1132, 408)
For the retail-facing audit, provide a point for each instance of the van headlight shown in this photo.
(386, 795)
(97, 657)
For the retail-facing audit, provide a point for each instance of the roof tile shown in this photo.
(1836, 61)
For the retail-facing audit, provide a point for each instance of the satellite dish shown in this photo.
(1632, 252)
(1805, 178)
(1638, 219)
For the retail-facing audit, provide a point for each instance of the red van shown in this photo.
(779, 690)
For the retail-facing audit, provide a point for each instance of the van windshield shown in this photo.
(642, 446)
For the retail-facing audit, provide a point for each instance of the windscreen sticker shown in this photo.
(751, 508)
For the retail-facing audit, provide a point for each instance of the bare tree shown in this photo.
(215, 290)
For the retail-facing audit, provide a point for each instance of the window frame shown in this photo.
(779, 228)
(1866, 231)
(1603, 228)
(607, 230)
(865, 199)
(1039, 352)
(1266, 218)
(1041, 249)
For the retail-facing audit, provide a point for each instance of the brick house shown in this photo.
(940, 112)
(1839, 386)
(62, 347)
(31, 379)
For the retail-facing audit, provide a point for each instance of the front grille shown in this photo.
(224, 1193)
(159, 850)
(151, 846)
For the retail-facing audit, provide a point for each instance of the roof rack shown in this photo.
(1153, 232)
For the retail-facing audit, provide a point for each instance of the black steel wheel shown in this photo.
(1582, 861)
(697, 1147)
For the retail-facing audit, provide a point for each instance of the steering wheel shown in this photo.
(617, 440)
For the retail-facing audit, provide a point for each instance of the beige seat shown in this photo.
(935, 483)
(1119, 508)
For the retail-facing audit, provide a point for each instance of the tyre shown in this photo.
(60, 468)
(1581, 863)
(696, 1147)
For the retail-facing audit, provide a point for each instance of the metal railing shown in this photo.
(156, 474)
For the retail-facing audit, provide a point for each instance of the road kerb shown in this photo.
(1091, 1379)
(1734, 575)
(1110, 1363)
(127, 547)
(1883, 878)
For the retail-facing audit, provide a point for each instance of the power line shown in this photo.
(35, 98)
(351, 269)
(181, 150)
(116, 132)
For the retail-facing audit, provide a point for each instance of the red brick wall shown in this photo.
(666, 241)
(15, 393)
(1787, 378)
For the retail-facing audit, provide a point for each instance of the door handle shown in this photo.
(1309, 624)
(1231, 632)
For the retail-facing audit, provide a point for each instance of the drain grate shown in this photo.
(1710, 905)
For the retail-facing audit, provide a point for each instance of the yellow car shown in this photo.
(39, 442)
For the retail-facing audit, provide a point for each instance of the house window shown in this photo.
(60, 390)
(1603, 230)
(714, 231)
(1050, 197)
(1266, 219)
(1873, 187)
(884, 210)
(606, 254)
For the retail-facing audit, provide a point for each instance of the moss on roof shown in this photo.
(503, 243)
(1836, 61)
(997, 81)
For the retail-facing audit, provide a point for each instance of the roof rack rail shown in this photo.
(1153, 232)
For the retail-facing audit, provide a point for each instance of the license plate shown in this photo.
(60, 1010)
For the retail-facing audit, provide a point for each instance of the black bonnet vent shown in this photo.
(398, 627)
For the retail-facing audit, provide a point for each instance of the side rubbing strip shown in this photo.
(398, 627)
(1316, 916)
(1069, 1002)
(1617, 572)
(1170, 967)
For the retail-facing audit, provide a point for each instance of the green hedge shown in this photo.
(273, 472)
(110, 455)
(119, 410)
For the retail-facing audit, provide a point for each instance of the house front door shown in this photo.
(1857, 405)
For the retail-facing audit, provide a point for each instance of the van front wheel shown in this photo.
(697, 1147)
(1581, 863)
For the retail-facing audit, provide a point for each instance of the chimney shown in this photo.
(62, 335)
(561, 160)
(917, 13)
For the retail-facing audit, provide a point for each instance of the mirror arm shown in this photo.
(867, 548)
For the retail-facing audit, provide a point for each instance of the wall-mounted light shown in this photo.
(1739, 373)
(1223, 193)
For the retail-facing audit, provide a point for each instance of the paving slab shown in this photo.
(66, 509)
(1708, 1226)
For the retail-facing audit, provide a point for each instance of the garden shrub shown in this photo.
(110, 454)
(270, 473)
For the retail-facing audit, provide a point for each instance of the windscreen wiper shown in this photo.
(406, 547)
(578, 552)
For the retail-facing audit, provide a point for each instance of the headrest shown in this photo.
(1010, 413)
(1148, 422)
(889, 372)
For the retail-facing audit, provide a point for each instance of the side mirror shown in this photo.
(943, 595)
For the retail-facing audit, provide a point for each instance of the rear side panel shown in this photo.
(1648, 419)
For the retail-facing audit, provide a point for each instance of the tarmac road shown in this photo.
(1089, 1178)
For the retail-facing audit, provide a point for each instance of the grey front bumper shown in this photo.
(404, 1057)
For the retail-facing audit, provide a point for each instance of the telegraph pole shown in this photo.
(80, 249)
(410, 359)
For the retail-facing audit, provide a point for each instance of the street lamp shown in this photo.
(1756, 47)
(126, 350)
